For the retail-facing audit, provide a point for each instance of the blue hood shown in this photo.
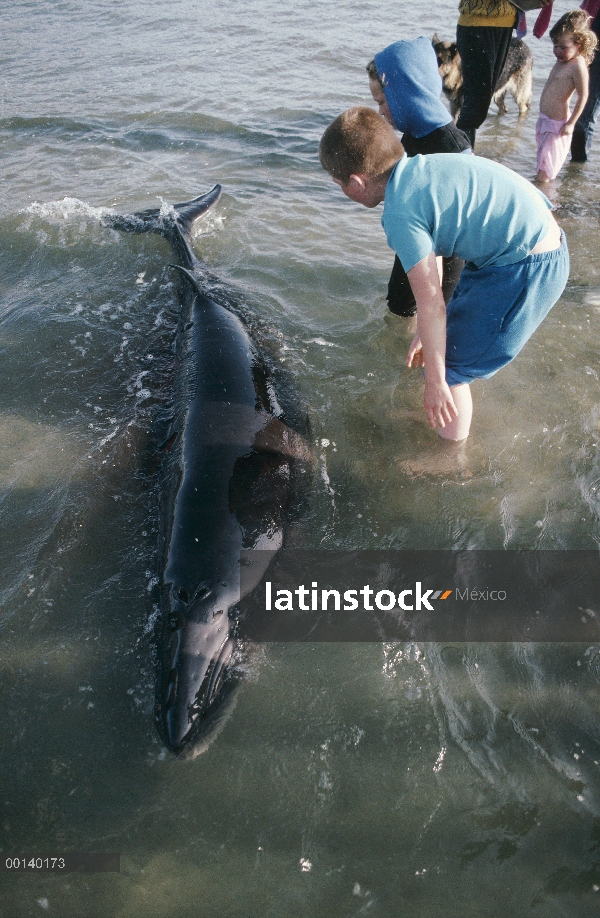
(412, 85)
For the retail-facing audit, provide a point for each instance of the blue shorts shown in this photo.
(494, 311)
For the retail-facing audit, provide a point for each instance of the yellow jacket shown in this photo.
(499, 13)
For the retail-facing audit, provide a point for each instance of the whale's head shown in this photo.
(195, 649)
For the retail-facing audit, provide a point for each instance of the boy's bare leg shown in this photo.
(458, 427)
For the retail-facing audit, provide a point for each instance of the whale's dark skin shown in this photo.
(227, 482)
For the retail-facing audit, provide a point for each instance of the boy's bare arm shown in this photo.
(429, 345)
(581, 84)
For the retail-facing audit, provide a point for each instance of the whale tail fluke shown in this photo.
(190, 211)
(162, 219)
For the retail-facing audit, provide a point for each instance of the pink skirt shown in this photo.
(552, 146)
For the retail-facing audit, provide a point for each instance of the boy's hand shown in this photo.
(415, 358)
(438, 403)
(566, 129)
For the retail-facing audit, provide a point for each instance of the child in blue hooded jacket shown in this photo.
(405, 82)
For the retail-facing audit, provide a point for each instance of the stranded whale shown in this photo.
(230, 466)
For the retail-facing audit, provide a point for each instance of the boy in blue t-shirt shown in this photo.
(517, 263)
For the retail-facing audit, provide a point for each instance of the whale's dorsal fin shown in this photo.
(190, 276)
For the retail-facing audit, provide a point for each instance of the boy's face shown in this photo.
(379, 97)
(565, 49)
(362, 189)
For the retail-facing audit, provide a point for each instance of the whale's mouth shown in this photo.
(213, 682)
(186, 720)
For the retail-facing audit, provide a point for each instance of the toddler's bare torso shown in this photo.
(560, 86)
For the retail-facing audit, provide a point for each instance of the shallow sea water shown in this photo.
(354, 779)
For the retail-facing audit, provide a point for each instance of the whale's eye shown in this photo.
(176, 621)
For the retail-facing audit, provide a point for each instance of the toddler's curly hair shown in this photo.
(577, 24)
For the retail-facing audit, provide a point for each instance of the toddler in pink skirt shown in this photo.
(574, 46)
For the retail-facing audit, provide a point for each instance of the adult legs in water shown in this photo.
(581, 140)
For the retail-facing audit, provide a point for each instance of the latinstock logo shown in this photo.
(324, 600)
(420, 595)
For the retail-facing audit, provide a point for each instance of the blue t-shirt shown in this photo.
(467, 206)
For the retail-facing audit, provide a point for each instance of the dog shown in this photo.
(516, 76)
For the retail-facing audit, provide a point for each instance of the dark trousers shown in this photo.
(483, 52)
(584, 126)
(401, 299)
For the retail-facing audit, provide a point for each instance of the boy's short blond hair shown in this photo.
(359, 141)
